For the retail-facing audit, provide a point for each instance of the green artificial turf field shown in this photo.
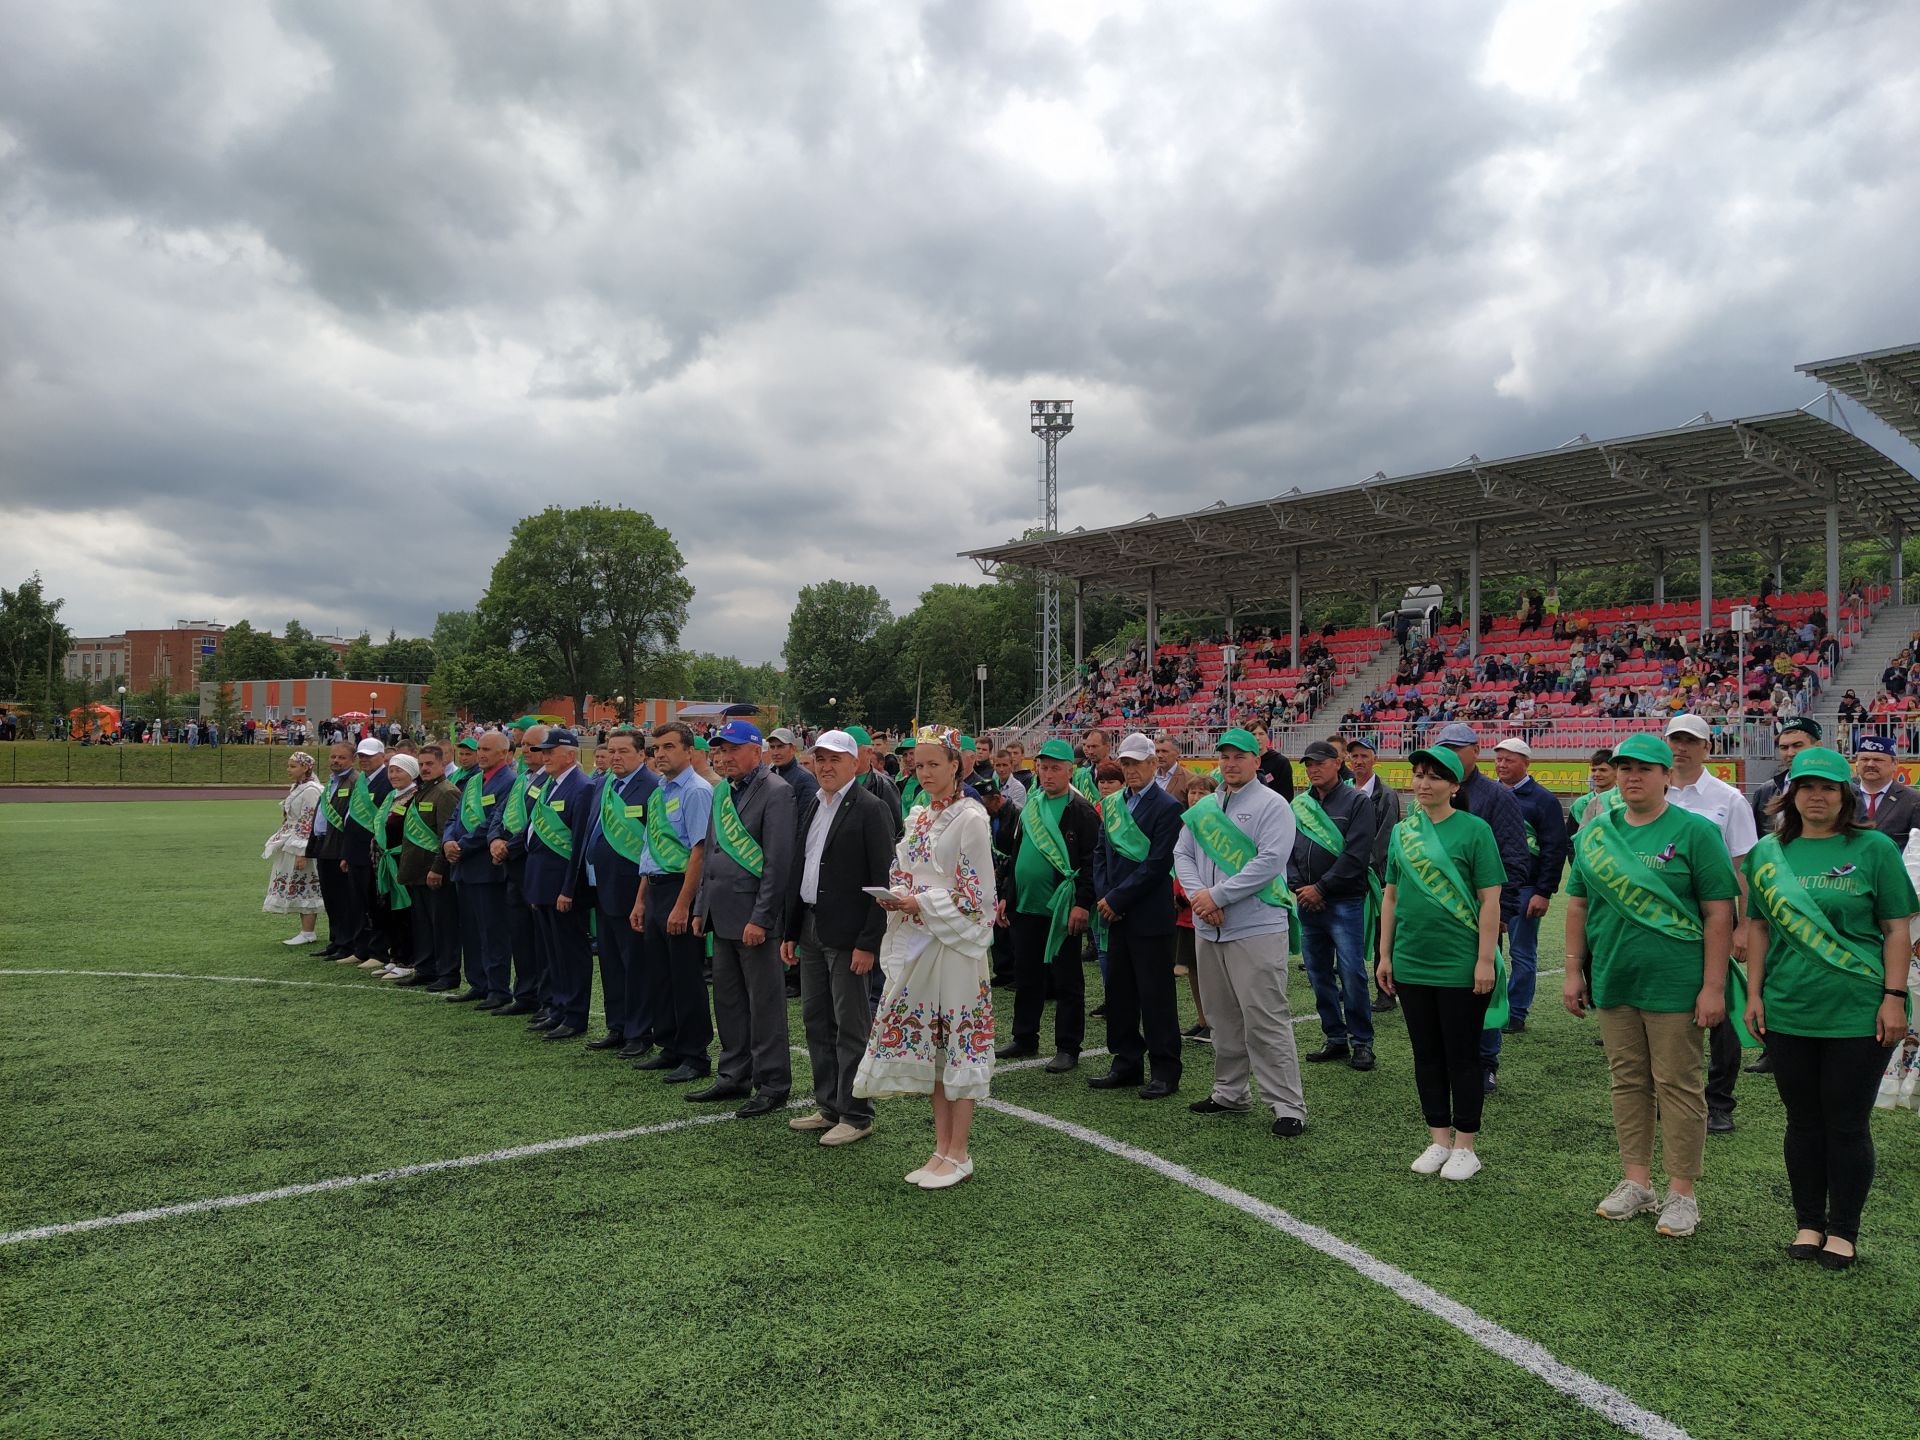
(735, 1279)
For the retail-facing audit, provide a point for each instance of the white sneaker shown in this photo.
(1431, 1159)
(395, 972)
(305, 937)
(1461, 1165)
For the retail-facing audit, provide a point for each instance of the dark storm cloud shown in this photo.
(283, 287)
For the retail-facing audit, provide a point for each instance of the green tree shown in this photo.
(226, 713)
(248, 654)
(543, 597)
(454, 632)
(33, 649)
(488, 684)
(827, 637)
(410, 662)
(643, 595)
(362, 661)
(725, 677)
(306, 656)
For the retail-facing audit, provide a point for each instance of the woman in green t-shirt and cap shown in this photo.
(1650, 912)
(1833, 901)
(1439, 934)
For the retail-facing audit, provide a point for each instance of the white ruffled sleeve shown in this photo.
(960, 915)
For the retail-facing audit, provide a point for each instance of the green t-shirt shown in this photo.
(1630, 964)
(1856, 882)
(1034, 878)
(1431, 947)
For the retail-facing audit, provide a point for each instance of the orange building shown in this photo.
(320, 699)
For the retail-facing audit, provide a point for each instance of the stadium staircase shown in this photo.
(1860, 671)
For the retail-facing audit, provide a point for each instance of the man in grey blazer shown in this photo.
(743, 904)
(1880, 799)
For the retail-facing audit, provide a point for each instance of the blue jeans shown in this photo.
(1332, 942)
(1523, 960)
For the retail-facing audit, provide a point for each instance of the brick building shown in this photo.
(181, 653)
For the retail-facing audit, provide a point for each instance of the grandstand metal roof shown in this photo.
(1887, 382)
(1763, 480)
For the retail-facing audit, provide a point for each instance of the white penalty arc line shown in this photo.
(1611, 1404)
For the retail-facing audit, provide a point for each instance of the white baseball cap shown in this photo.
(1135, 747)
(1689, 725)
(1515, 745)
(371, 746)
(837, 741)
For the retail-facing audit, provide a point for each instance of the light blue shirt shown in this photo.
(1268, 821)
(689, 806)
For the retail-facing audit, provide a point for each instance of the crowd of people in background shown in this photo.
(712, 878)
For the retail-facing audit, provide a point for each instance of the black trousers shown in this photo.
(1723, 1066)
(675, 971)
(1031, 973)
(1444, 1023)
(1828, 1087)
(368, 935)
(1143, 1014)
(435, 916)
(333, 896)
(524, 939)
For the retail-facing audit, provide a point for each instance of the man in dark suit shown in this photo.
(1133, 875)
(327, 849)
(1003, 828)
(873, 780)
(1794, 736)
(1361, 756)
(480, 882)
(843, 844)
(743, 902)
(678, 815)
(1054, 807)
(1879, 799)
(607, 869)
(370, 936)
(526, 941)
(557, 823)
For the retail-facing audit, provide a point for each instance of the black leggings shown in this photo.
(1444, 1023)
(1828, 1087)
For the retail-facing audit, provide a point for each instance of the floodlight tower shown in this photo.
(1051, 420)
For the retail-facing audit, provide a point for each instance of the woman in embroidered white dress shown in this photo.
(294, 886)
(934, 1031)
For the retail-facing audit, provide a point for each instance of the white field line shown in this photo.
(1529, 1355)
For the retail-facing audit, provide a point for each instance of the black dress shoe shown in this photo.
(1361, 1058)
(1099, 1012)
(761, 1104)
(1762, 1066)
(467, 995)
(1719, 1122)
(540, 1017)
(441, 987)
(545, 1022)
(636, 1050)
(1157, 1089)
(717, 1091)
(1514, 1027)
(1288, 1128)
(1383, 1002)
(606, 1042)
(663, 1062)
(1061, 1063)
(1326, 1052)
(332, 952)
(679, 1075)
(412, 981)
(1211, 1106)
(1114, 1080)
(495, 1002)
(519, 1007)
(1015, 1051)
(563, 1031)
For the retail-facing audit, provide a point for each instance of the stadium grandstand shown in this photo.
(1571, 680)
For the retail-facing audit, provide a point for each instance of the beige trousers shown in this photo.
(1659, 1070)
(1243, 985)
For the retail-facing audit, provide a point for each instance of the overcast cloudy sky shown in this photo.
(303, 304)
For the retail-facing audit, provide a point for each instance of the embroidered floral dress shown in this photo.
(291, 891)
(936, 1013)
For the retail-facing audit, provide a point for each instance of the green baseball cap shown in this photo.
(467, 743)
(523, 723)
(1818, 763)
(1803, 725)
(904, 743)
(859, 734)
(1239, 739)
(1648, 749)
(700, 743)
(1441, 758)
(1056, 750)
(967, 742)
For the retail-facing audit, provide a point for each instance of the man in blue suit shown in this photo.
(526, 942)
(1133, 876)
(607, 869)
(558, 820)
(479, 881)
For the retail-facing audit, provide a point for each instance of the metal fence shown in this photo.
(56, 762)
(1573, 737)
